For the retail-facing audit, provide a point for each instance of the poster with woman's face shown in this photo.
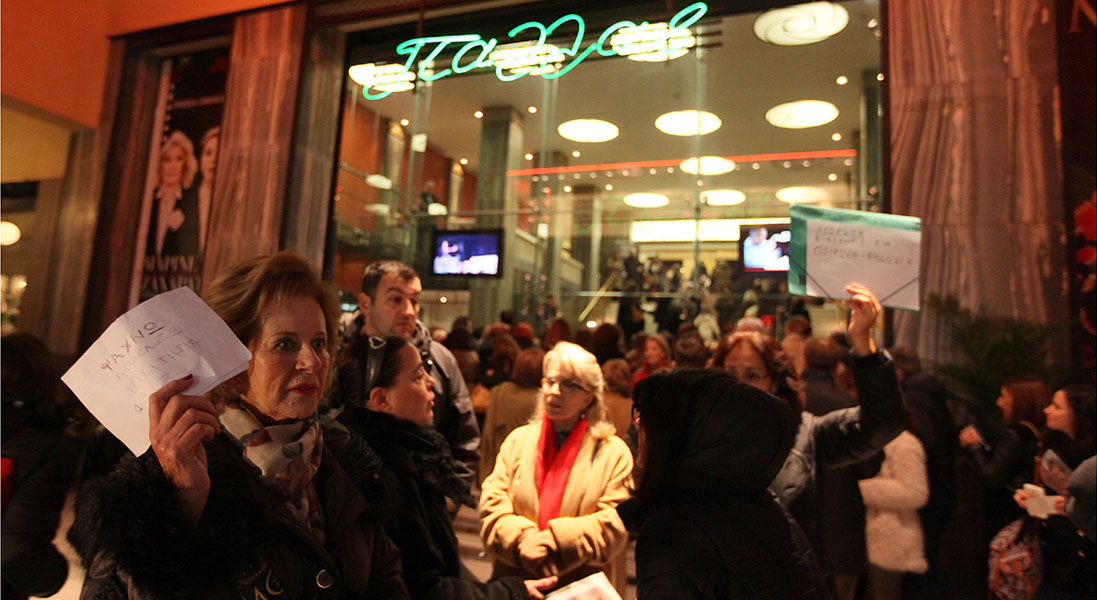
(182, 171)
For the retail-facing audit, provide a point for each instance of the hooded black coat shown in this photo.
(712, 529)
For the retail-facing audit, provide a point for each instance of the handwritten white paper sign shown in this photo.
(165, 337)
(883, 259)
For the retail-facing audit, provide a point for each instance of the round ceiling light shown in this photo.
(801, 194)
(9, 233)
(652, 42)
(801, 24)
(588, 130)
(726, 197)
(688, 122)
(707, 165)
(802, 114)
(646, 200)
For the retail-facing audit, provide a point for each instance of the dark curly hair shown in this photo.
(778, 366)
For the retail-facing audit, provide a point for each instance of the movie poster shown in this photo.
(182, 172)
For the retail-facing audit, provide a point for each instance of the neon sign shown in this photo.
(513, 61)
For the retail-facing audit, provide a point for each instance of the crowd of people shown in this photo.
(746, 466)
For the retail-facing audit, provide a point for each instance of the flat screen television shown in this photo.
(764, 248)
(467, 252)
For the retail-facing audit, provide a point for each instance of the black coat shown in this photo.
(1003, 469)
(44, 465)
(713, 530)
(925, 397)
(134, 540)
(416, 478)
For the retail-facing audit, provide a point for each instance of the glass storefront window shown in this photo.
(626, 185)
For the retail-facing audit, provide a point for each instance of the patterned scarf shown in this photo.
(287, 455)
(553, 468)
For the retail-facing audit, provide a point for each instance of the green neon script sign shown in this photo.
(474, 50)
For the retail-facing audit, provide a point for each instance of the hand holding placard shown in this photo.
(164, 338)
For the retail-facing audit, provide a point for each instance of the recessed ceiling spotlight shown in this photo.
(404, 122)
(536, 178)
(576, 153)
(801, 24)
(801, 194)
(646, 200)
(567, 188)
(670, 169)
(560, 176)
(688, 122)
(652, 42)
(588, 130)
(807, 163)
(651, 171)
(836, 137)
(464, 161)
(872, 23)
(756, 166)
(879, 77)
(700, 183)
(707, 165)
(532, 110)
(478, 114)
(833, 177)
(443, 299)
(624, 173)
(842, 80)
(609, 187)
(547, 190)
(786, 164)
(726, 197)
(802, 114)
(609, 173)
(848, 162)
(529, 156)
(577, 176)
(384, 77)
(593, 175)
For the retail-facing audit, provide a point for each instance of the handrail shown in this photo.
(598, 296)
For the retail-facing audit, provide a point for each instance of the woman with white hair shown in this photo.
(548, 507)
(173, 223)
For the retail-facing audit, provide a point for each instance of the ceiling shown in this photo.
(734, 74)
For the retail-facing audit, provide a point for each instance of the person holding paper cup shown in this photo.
(547, 509)
(1070, 560)
(240, 496)
(838, 438)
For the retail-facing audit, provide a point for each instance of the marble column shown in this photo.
(973, 152)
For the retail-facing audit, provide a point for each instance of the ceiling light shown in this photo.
(379, 209)
(379, 181)
(688, 122)
(478, 114)
(646, 200)
(872, 23)
(879, 77)
(836, 137)
(386, 78)
(842, 80)
(707, 165)
(529, 156)
(464, 161)
(651, 171)
(567, 188)
(592, 324)
(652, 42)
(404, 122)
(848, 162)
(801, 194)
(532, 110)
(588, 130)
(833, 177)
(609, 187)
(443, 299)
(807, 163)
(527, 58)
(723, 197)
(9, 233)
(575, 153)
(802, 114)
(801, 24)
(756, 166)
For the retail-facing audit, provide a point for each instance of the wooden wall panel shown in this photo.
(254, 160)
(973, 153)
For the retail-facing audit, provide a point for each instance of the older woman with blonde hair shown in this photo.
(548, 507)
(174, 219)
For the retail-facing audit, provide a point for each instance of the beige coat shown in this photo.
(589, 535)
(893, 529)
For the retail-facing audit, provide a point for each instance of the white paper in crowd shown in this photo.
(591, 587)
(1039, 504)
(883, 259)
(163, 338)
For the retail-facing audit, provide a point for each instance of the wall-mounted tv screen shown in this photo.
(477, 253)
(764, 248)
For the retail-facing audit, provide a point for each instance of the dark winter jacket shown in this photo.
(416, 478)
(1004, 468)
(842, 437)
(925, 397)
(1070, 558)
(44, 465)
(714, 530)
(135, 542)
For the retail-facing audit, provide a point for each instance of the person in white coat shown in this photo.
(893, 530)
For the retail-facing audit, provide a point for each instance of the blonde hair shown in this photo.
(574, 360)
(190, 168)
(242, 296)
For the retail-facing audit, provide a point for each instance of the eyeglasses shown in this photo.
(748, 375)
(567, 386)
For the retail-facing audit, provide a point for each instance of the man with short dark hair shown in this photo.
(389, 304)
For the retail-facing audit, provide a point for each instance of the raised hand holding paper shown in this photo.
(832, 247)
(164, 338)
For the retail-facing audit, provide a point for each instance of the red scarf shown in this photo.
(554, 467)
